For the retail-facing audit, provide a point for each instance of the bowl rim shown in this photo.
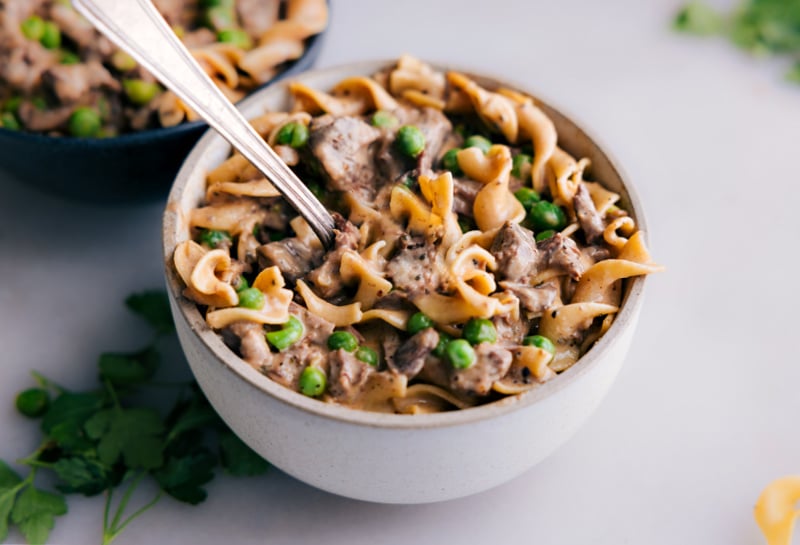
(229, 361)
(294, 68)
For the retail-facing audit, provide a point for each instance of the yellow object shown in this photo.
(775, 510)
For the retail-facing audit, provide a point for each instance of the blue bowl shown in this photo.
(127, 169)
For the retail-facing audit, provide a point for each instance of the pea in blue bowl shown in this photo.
(127, 169)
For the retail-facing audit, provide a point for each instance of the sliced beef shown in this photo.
(22, 66)
(342, 146)
(287, 366)
(510, 332)
(326, 278)
(560, 252)
(534, 300)
(393, 165)
(410, 357)
(252, 344)
(291, 256)
(464, 193)
(257, 16)
(414, 268)
(347, 375)
(491, 365)
(70, 82)
(514, 248)
(80, 31)
(317, 329)
(588, 217)
(50, 119)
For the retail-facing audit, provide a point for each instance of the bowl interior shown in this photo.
(189, 189)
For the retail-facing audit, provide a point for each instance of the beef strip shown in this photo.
(252, 344)
(414, 269)
(291, 256)
(464, 193)
(326, 278)
(492, 363)
(80, 31)
(316, 329)
(510, 331)
(23, 63)
(342, 146)
(410, 357)
(257, 16)
(50, 119)
(435, 127)
(71, 82)
(588, 217)
(533, 299)
(347, 375)
(560, 252)
(514, 248)
(286, 367)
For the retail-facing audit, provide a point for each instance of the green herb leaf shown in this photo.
(10, 485)
(183, 477)
(793, 74)
(135, 435)
(239, 459)
(83, 475)
(153, 306)
(191, 416)
(698, 18)
(35, 511)
(129, 369)
(63, 422)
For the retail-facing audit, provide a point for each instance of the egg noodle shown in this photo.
(436, 295)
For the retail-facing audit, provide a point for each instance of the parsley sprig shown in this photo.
(107, 441)
(758, 26)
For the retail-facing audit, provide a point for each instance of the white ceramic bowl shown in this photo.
(392, 458)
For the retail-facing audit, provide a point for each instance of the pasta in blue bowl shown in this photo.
(472, 259)
(74, 102)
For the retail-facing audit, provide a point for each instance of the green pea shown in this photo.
(251, 298)
(219, 17)
(410, 140)
(213, 238)
(291, 332)
(68, 57)
(84, 122)
(33, 402)
(527, 196)
(544, 235)
(12, 104)
(344, 340)
(367, 355)
(521, 166)
(140, 92)
(293, 134)
(235, 36)
(441, 346)
(9, 121)
(384, 120)
(312, 381)
(51, 38)
(478, 141)
(450, 161)
(32, 28)
(241, 284)
(540, 341)
(417, 322)
(545, 215)
(227, 4)
(460, 354)
(480, 330)
(122, 61)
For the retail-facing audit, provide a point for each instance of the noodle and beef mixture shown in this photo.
(60, 76)
(471, 261)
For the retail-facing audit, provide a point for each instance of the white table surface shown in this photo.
(704, 412)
